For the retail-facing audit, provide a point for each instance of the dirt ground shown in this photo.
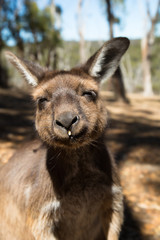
(133, 137)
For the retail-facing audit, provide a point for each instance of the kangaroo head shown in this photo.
(69, 110)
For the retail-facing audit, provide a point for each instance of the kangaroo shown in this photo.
(64, 185)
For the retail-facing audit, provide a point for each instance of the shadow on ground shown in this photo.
(16, 116)
(136, 134)
(131, 226)
(134, 137)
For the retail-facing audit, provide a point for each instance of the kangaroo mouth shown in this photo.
(72, 138)
(78, 135)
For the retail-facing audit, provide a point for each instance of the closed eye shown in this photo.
(42, 102)
(91, 95)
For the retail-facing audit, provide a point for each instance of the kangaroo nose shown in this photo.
(66, 120)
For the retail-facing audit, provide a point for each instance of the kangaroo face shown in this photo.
(69, 111)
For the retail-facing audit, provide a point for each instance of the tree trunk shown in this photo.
(55, 60)
(117, 78)
(146, 66)
(146, 47)
(48, 62)
(82, 52)
(110, 18)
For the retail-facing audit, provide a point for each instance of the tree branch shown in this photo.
(157, 12)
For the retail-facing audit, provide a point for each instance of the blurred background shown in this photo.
(60, 34)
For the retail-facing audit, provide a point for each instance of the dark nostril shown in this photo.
(66, 120)
(59, 123)
(75, 119)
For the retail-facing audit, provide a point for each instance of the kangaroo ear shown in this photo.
(30, 71)
(105, 61)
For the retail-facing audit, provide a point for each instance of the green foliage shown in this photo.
(134, 52)
(36, 37)
(134, 82)
(28, 24)
(31, 30)
(156, 66)
(40, 25)
(38, 22)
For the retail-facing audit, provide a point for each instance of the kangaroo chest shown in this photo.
(76, 215)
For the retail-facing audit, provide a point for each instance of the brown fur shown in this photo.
(65, 185)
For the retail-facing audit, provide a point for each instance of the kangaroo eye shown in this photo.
(90, 95)
(42, 103)
(41, 100)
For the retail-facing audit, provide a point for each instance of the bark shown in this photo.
(117, 79)
(81, 34)
(146, 47)
(146, 66)
(52, 56)
(110, 18)
(55, 60)
(16, 31)
(48, 63)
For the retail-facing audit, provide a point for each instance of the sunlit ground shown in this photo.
(134, 137)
